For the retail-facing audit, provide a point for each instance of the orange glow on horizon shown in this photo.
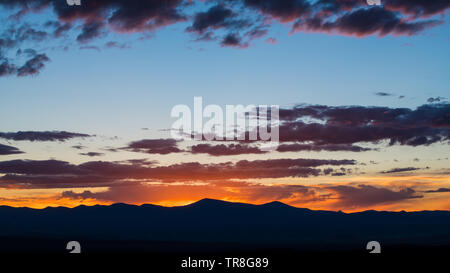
(315, 197)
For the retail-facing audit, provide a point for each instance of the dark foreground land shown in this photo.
(163, 238)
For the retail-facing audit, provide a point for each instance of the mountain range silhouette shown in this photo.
(221, 223)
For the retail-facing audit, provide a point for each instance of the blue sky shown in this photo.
(140, 84)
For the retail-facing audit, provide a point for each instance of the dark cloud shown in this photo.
(38, 167)
(233, 40)
(59, 28)
(336, 7)
(140, 16)
(366, 195)
(90, 31)
(33, 66)
(419, 8)
(83, 195)
(258, 32)
(260, 192)
(233, 23)
(216, 17)
(113, 44)
(347, 125)
(154, 146)
(41, 136)
(221, 150)
(165, 146)
(78, 147)
(338, 172)
(438, 190)
(142, 162)
(9, 150)
(7, 68)
(399, 170)
(221, 17)
(333, 128)
(123, 15)
(96, 48)
(437, 99)
(351, 17)
(92, 154)
(364, 22)
(297, 147)
(95, 17)
(11, 40)
(288, 163)
(12, 181)
(26, 33)
(383, 94)
(136, 15)
(61, 174)
(284, 11)
(29, 52)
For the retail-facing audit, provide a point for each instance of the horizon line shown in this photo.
(220, 201)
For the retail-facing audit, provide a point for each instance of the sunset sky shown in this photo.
(86, 94)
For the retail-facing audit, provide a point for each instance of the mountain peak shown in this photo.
(209, 202)
(276, 204)
(281, 205)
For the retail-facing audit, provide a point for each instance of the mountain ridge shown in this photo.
(209, 201)
(222, 223)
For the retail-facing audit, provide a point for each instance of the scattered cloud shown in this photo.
(383, 94)
(222, 149)
(400, 170)
(96, 48)
(113, 44)
(61, 174)
(92, 154)
(217, 16)
(154, 146)
(90, 31)
(9, 150)
(231, 23)
(297, 147)
(366, 195)
(362, 22)
(437, 99)
(41, 135)
(352, 124)
(438, 190)
(78, 147)
(271, 41)
(234, 40)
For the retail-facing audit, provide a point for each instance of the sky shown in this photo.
(87, 93)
